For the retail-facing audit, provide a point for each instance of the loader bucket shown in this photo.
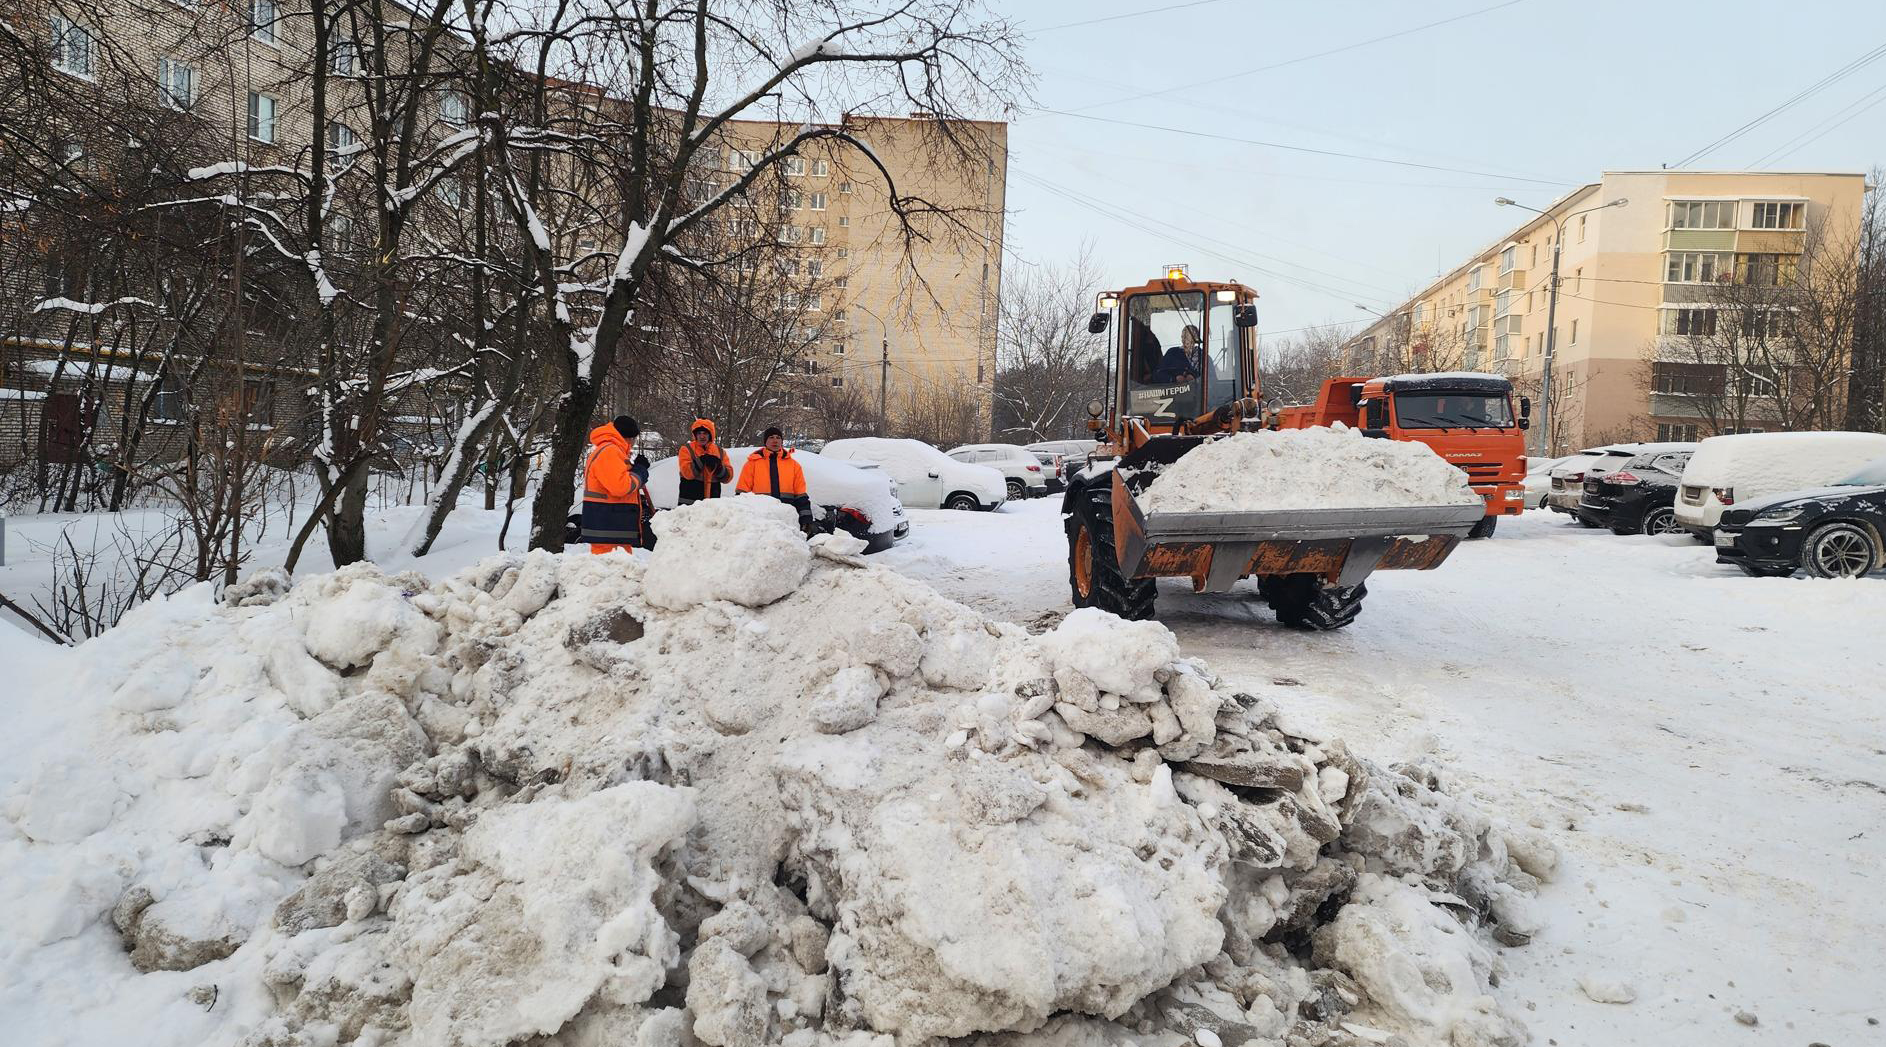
(1216, 549)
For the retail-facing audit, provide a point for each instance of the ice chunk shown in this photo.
(746, 549)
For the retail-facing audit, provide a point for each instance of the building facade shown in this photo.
(1642, 285)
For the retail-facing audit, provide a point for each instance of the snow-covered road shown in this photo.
(1709, 751)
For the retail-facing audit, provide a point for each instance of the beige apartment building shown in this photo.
(1635, 278)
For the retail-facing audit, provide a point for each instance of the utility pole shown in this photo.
(884, 382)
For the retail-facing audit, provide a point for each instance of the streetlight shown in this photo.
(1552, 307)
(884, 367)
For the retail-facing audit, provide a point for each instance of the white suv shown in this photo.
(1020, 469)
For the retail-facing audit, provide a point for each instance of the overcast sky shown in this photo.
(1523, 98)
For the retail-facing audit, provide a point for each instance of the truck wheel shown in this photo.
(1485, 528)
(1093, 569)
(1839, 550)
(1302, 601)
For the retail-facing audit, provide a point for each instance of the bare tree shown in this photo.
(1294, 368)
(1048, 366)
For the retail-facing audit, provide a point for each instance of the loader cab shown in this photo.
(1181, 348)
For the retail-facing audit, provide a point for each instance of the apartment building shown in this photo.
(908, 322)
(1636, 279)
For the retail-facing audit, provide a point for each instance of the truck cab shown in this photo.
(1467, 418)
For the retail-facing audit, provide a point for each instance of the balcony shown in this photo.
(1513, 280)
(1699, 240)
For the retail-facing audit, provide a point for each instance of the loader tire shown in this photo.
(1093, 569)
(1302, 601)
(1485, 527)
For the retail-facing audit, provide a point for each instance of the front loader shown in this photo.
(1183, 371)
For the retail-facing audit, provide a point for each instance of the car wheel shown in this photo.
(1017, 490)
(1661, 520)
(962, 502)
(1839, 550)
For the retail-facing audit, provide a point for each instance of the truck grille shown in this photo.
(1482, 473)
(1692, 495)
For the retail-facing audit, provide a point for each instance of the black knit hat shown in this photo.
(627, 427)
(771, 431)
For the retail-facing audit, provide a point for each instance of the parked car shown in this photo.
(1539, 480)
(1069, 457)
(856, 497)
(1639, 497)
(926, 477)
(1568, 478)
(1023, 472)
(1732, 470)
(1830, 532)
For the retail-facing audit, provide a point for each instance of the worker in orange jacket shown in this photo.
(704, 466)
(770, 470)
(615, 492)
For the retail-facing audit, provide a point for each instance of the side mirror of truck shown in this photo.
(1244, 315)
(1525, 412)
(1097, 323)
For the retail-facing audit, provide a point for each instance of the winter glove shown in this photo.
(706, 465)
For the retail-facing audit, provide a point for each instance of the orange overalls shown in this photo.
(613, 516)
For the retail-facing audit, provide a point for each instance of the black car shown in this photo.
(1830, 532)
(1641, 496)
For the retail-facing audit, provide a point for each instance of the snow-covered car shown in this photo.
(1728, 470)
(1830, 532)
(1568, 477)
(861, 495)
(1069, 457)
(926, 477)
(1539, 480)
(1020, 468)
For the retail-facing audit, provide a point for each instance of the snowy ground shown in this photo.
(1709, 750)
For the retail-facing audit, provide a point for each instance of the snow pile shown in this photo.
(566, 800)
(1320, 467)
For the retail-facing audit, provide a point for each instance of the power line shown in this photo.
(1306, 149)
(1128, 14)
(1300, 58)
(1821, 130)
(1816, 87)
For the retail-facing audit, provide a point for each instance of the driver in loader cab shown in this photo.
(703, 465)
(771, 471)
(1183, 362)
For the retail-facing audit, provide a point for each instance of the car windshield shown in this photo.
(1873, 474)
(1452, 409)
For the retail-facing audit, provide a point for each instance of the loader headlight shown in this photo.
(1094, 407)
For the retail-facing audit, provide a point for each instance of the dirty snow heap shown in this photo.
(1333, 467)
(574, 800)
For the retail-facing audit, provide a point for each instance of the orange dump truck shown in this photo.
(1465, 417)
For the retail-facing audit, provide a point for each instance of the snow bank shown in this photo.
(737, 795)
(1332, 467)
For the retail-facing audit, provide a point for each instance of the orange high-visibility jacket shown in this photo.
(612, 493)
(698, 482)
(774, 473)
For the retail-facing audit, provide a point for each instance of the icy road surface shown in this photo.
(1709, 750)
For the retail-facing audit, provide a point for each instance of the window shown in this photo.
(789, 301)
(454, 108)
(795, 166)
(790, 199)
(1689, 321)
(69, 151)
(838, 382)
(791, 234)
(258, 401)
(818, 234)
(814, 302)
(1694, 267)
(1507, 257)
(838, 348)
(742, 159)
(816, 201)
(1779, 215)
(261, 117)
(343, 58)
(1669, 433)
(1534, 263)
(340, 137)
(1473, 279)
(1578, 280)
(1702, 214)
(1574, 332)
(1765, 270)
(839, 316)
(844, 252)
(701, 190)
(842, 282)
(264, 21)
(844, 221)
(1581, 227)
(176, 84)
(451, 192)
(844, 187)
(820, 169)
(1763, 324)
(73, 49)
(340, 233)
(814, 267)
(170, 402)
